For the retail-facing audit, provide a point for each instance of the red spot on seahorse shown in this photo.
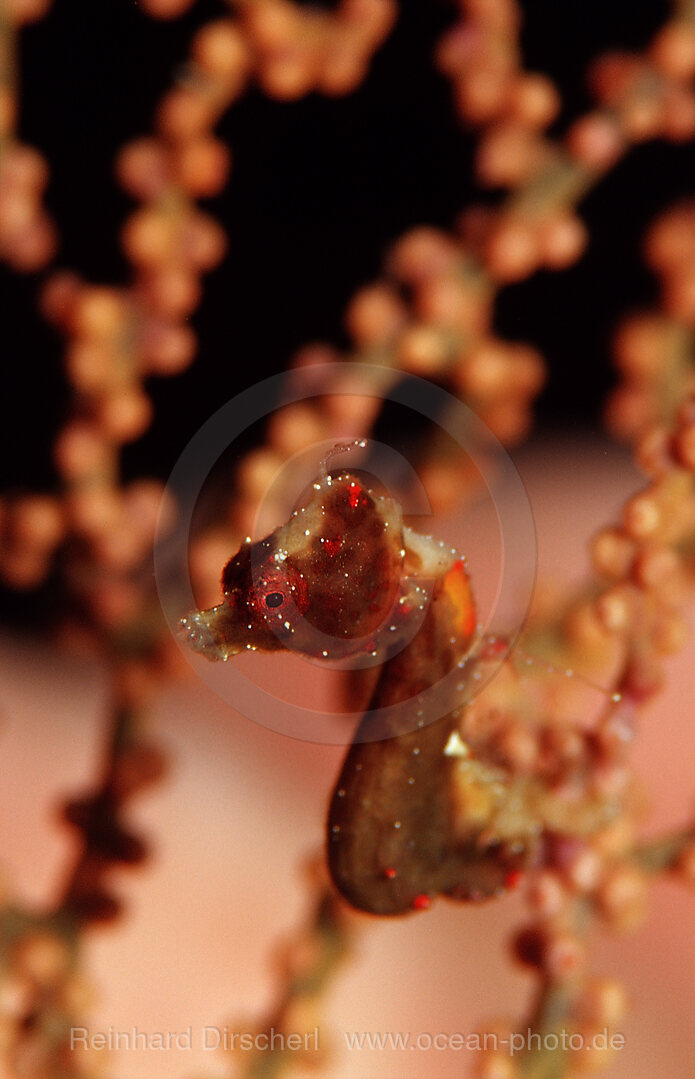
(356, 496)
(332, 546)
(513, 878)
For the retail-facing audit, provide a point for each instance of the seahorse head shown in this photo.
(330, 582)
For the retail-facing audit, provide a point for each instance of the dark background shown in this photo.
(319, 190)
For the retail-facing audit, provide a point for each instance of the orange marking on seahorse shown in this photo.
(458, 590)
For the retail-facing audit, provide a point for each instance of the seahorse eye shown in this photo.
(274, 599)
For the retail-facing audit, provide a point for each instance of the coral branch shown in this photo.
(307, 965)
(130, 764)
(666, 853)
(27, 236)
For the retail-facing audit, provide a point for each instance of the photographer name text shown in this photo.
(206, 1038)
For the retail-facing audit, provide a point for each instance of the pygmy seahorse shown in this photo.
(345, 579)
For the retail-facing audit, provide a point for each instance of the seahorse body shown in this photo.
(345, 579)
